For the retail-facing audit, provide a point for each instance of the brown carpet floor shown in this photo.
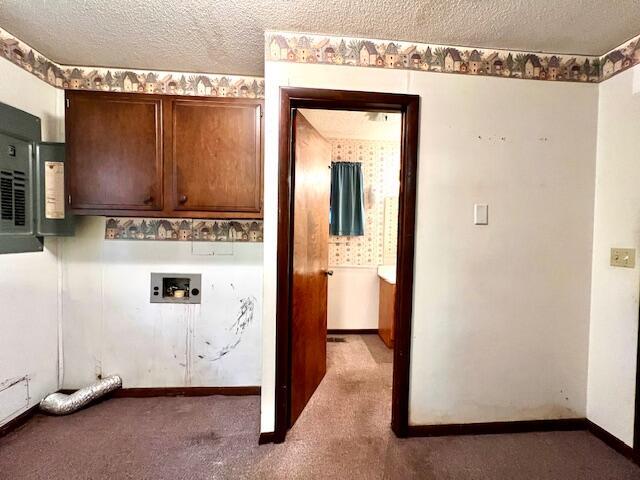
(343, 433)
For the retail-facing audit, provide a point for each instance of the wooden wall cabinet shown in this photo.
(164, 156)
(114, 152)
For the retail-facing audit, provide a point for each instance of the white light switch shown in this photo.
(481, 214)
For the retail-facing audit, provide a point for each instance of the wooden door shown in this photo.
(114, 152)
(216, 156)
(312, 156)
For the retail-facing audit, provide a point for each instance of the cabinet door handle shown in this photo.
(183, 199)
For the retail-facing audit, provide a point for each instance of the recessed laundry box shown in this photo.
(175, 288)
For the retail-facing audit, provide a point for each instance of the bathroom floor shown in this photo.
(343, 433)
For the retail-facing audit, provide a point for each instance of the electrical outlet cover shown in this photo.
(623, 257)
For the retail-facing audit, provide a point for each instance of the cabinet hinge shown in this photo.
(260, 110)
(67, 103)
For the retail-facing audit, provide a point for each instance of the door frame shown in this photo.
(409, 107)
(636, 423)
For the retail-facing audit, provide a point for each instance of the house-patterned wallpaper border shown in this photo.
(186, 230)
(322, 49)
(333, 50)
(621, 58)
(123, 80)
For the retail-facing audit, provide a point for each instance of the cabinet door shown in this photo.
(114, 148)
(216, 156)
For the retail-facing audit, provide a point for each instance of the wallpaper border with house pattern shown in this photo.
(620, 59)
(362, 52)
(333, 50)
(126, 80)
(180, 229)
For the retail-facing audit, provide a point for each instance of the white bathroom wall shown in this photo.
(614, 303)
(29, 281)
(501, 312)
(110, 326)
(352, 300)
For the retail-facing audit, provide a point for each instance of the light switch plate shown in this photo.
(481, 214)
(623, 257)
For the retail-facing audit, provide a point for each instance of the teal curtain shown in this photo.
(347, 199)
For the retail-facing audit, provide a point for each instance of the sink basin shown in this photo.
(387, 273)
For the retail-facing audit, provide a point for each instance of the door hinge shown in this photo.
(67, 103)
(69, 198)
(260, 111)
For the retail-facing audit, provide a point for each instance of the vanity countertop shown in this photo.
(387, 273)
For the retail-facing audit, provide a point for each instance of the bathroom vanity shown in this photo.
(386, 308)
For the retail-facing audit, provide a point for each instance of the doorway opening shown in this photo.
(305, 179)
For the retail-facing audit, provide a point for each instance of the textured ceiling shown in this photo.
(356, 125)
(226, 36)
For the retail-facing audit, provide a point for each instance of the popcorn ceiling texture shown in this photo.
(121, 80)
(228, 36)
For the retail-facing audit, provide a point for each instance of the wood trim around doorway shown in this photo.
(409, 107)
(636, 425)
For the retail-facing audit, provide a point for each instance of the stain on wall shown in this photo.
(243, 320)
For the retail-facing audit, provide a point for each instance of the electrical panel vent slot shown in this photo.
(13, 197)
(20, 207)
(16, 200)
(6, 195)
(19, 198)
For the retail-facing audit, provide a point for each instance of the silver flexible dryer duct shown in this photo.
(61, 404)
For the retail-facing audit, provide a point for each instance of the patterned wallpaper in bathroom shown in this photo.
(381, 169)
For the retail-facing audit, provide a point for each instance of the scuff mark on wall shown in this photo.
(13, 381)
(243, 320)
(97, 367)
(189, 337)
(245, 316)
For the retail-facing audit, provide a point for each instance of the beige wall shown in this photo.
(614, 302)
(501, 312)
(29, 281)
